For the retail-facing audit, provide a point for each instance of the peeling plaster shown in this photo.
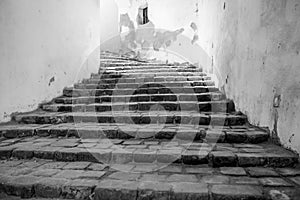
(197, 9)
(128, 42)
(195, 29)
(126, 22)
(275, 136)
(6, 116)
(51, 81)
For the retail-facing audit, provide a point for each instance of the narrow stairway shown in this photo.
(143, 130)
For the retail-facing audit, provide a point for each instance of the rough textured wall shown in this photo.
(254, 46)
(43, 48)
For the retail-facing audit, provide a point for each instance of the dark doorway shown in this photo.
(145, 16)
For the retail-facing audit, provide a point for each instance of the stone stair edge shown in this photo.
(137, 85)
(171, 117)
(142, 102)
(197, 154)
(149, 95)
(122, 131)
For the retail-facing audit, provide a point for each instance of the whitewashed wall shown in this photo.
(109, 26)
(44, 45)
(255, 45)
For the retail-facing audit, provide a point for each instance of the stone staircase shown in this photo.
(142, 130)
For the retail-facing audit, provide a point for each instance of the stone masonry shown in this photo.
(141, 130)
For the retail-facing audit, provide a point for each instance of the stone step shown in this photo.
(133, 74)
(155, 117)
(109, 59)
(107, 151)
(120, 60)
(149, 74)
(143, 66)
(151, 70)
(72, 92)
(38, 179)
(211, 106)
(150, 66)
(157, 69)
(113, 56)
(120, 63)
(126, 59)
(213, 96)
(105, 64)
(145, 80)
(218, 134)
(11, 197)
(103, 85)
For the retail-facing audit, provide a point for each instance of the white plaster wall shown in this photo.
(109, 23)
(42, 40)
(254, 45)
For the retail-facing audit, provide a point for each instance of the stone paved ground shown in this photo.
(143, 130)
(79, 180)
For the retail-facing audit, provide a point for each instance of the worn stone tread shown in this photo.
(215, 106)
(145, 73)
(108, 63)
(186, 132)
(146, 70)
(161, 117)
(73, 92)
(149, 151)
(10, 197)
(146, 80)
(102, 85)
(214, 96)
